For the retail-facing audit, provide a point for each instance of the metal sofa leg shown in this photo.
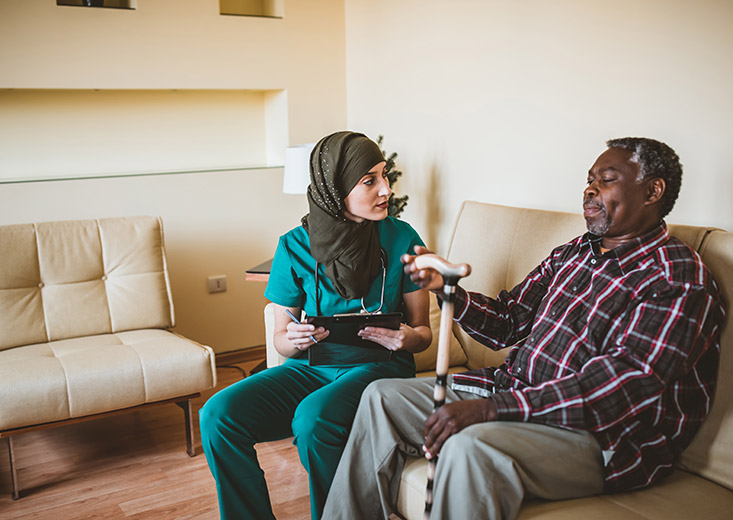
(188, 415)
(13, 475)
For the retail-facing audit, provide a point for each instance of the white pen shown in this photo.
(296, 320)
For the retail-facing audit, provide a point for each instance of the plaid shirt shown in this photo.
(623, 344)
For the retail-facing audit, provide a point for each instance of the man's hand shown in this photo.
(452, 418)
(429, 279)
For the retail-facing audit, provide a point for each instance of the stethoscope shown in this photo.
(383, 262)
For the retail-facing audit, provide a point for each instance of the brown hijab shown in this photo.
(349, 251)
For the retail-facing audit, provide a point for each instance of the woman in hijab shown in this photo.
(344, 258)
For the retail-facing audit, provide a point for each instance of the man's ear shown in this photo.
(655, 190)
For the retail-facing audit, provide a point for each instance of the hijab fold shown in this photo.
(348, 250)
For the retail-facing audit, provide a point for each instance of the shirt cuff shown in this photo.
(511, 406)
(460, 303)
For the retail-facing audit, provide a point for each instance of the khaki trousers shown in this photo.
(484, 471)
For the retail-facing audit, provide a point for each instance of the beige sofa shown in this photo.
(503, 245)
(84, 308)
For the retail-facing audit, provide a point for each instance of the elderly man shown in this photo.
(614, 340)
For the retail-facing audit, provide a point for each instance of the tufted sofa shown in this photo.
(84, 311)
(503, 245)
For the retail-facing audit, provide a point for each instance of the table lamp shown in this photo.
(296, 174)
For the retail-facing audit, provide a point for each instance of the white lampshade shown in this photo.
(296, 175)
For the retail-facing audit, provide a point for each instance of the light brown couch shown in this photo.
(503, 245)
(84, 311)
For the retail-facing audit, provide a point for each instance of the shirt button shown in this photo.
(593, 261)
(575, 288)
(519, 369)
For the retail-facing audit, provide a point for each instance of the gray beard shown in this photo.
(600, 228)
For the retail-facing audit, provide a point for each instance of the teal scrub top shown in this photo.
(292, 280)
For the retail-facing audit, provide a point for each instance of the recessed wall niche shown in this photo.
(114, 4)
(263, 8)
(50, 134)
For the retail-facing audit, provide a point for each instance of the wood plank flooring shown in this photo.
(135, 466)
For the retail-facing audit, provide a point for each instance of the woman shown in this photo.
(343, 259)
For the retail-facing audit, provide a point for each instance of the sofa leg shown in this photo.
(188, 415)
(13, 475)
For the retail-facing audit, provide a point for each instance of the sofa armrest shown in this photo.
(273, 357)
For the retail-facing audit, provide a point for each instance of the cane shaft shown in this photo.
(446, 326)
(441, 371)
(451, 273)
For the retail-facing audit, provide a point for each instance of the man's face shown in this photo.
(614, 202)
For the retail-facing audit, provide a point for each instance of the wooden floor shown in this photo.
(135, 466)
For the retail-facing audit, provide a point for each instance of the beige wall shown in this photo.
(511, 102)
(216, 222)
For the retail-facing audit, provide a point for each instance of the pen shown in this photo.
(296, 320)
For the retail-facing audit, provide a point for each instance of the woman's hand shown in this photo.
(291, 338)
(415, 335)
(303, 335)
(404, 338)
(429, 279)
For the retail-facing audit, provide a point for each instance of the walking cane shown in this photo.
(451, 273)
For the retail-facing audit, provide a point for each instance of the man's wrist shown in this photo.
(511, 406)
(490, 412)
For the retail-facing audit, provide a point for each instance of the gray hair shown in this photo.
(655, 160)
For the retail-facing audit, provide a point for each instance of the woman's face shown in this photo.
(369, 198)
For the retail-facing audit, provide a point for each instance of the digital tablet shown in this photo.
(344, 345)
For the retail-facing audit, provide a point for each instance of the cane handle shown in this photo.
(445, 268)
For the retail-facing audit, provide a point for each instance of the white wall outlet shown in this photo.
(217, 283)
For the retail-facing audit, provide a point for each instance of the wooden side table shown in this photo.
(259, 273)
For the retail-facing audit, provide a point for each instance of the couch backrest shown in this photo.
(711, 451)
(68, 279)
(504, 244)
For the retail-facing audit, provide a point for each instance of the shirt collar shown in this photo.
(631, 253)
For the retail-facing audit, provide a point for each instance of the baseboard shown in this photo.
(241, 356)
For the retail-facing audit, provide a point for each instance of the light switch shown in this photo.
(217, 283)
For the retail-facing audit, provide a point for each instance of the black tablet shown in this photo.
(344, 345)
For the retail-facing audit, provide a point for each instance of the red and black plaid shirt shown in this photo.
(623, 344)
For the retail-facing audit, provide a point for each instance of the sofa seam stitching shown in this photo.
(142, 366)
(112, 328)
(40, 280)
(166, 277)
(66, 380)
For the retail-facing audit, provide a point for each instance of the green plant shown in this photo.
(396, 204)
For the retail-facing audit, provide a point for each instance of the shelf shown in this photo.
(112, 4)
(256, 8)
(57, 134)
(123, 175)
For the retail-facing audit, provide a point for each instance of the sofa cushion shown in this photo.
(425, 360)
(680, 496)
(69, 279)
(69, 378)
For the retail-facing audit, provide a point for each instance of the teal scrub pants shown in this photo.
(314, 404)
